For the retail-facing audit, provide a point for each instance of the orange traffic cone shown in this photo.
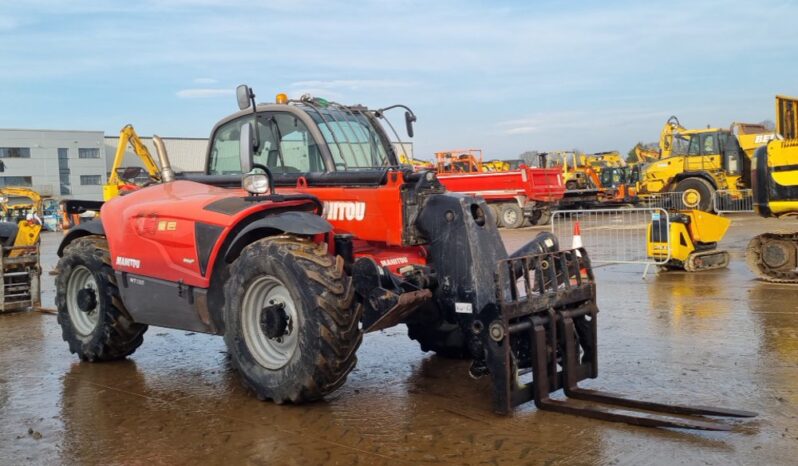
(576, 243)
(577, 238)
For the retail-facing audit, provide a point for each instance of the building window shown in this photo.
(15, 152)
(63, 171)
(90, 180)
(88, 153)
(16, 181)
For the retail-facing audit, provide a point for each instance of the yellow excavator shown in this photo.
(598, 161)
(645, 154)
(697, 162)
(773, 256)
(120, 180)
(125, 178)
(19, 240)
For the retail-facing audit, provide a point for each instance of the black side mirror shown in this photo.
(245, 97)
(246, 146)
(409, 120)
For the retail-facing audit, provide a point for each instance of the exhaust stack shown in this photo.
(167, 174)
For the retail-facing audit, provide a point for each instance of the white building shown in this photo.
(185, 154)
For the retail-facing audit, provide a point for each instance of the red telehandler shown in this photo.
(305, 232)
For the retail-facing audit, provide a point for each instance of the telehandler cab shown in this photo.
(293, 282)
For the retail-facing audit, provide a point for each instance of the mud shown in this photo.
(717, 338)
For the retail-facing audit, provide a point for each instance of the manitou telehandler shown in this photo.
(304, 233)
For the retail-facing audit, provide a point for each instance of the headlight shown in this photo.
(255, 183)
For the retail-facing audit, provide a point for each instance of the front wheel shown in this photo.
(696, 194)
(93, 319)
(291, 320)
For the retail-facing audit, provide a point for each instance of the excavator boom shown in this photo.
(127, 136)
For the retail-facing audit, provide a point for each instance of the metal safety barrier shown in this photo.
(667, 201)
(614, 236)
(730, 201)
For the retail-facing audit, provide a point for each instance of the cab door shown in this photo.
(703, 153)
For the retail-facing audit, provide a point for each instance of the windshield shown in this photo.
(351, 136)
(680, 144)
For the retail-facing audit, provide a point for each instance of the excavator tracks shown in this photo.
(773, 257)
(706, 260)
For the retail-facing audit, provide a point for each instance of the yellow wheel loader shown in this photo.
(688, 240)
(773, 256)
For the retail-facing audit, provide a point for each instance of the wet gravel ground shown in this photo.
(715, 338)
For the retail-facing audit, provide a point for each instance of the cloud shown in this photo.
(203, 93)
(352, 84)
(205, 81)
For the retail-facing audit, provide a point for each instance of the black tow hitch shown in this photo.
(544, 324)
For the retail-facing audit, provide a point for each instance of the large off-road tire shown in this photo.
(511, 216)
(291, 320)
(696, 194)
(444, 338)
(93, 318)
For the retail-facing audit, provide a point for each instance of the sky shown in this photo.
(504, 76)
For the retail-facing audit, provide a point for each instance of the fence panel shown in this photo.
(727, 201)
(668, 201)
(616, 236)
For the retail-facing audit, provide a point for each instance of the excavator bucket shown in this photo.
(544, 325)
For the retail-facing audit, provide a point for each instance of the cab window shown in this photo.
(224, 158)
(286, 145)
(708, 144)
(695, 146)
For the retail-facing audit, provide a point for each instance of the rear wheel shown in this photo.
(291, 320)
(543, 218)
(496, 211)
(512, 216)
(696, 194)
(93, 319)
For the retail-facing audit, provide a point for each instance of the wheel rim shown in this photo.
(691, 198)
(510, 216)
(84, 321)
(271, 353)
